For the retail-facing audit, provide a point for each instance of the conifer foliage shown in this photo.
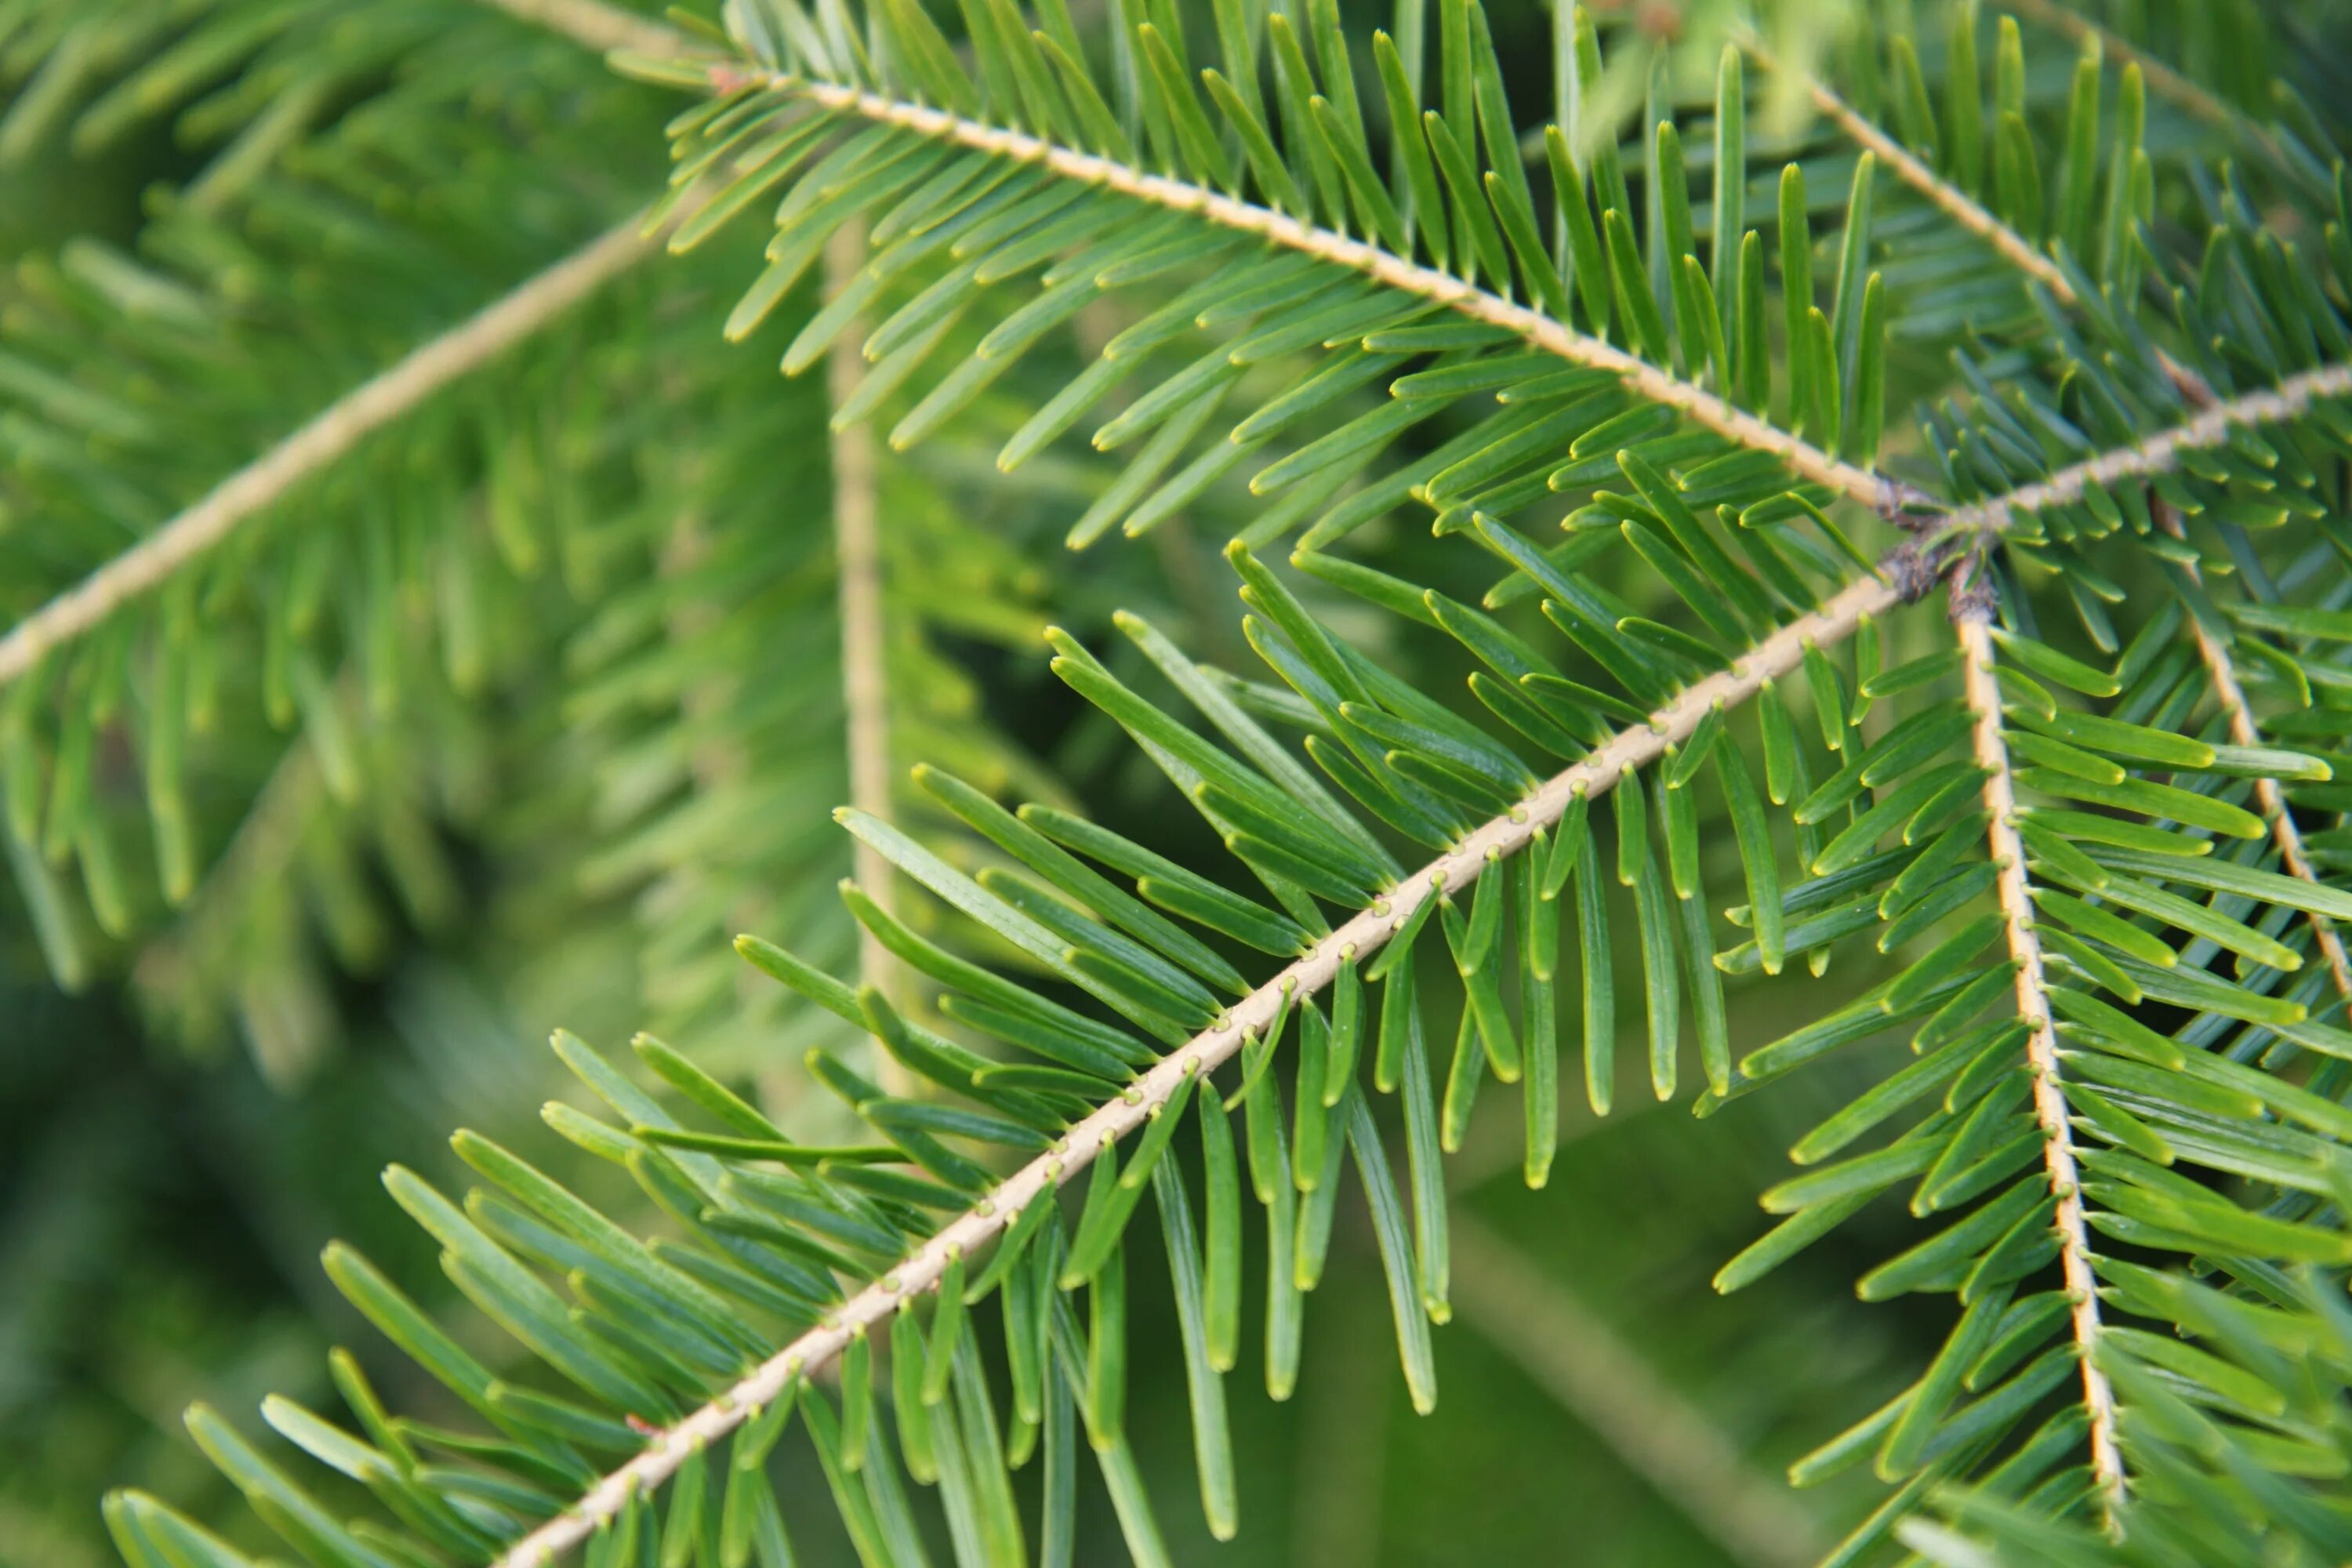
(1917, 549)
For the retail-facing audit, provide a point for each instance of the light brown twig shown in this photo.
(858, 566)
(2158, 454)
(597, 26)
(2162, 80)
(1966, 211)
(1972, 620)
(331, 434)
(2223, 671)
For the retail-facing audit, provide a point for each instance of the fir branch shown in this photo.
(857, 565)
(598, 25)
(1972, 623)
(1628, 749)
(856, 522)
(1702, 407)
(2221, 673)
(2161, 78)
(2158, 454)
(1607, 1385)
(1962, 207)
(1898, 160)
(1956, 539)
(330, 435)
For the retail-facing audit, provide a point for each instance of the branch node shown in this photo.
(1913, 569)
(1972, 595)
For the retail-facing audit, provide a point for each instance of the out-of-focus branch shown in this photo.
(597, 26)
(330, 435)
(857, 562)
(1565, 1347)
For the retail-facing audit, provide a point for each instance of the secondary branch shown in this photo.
(1965, 210)
(2162, 80)
(1972, 620)
(1701, 406)
(329, 436)
(2158, 454)
(857, 567)
(2222, 672)
(595, 25)
(1037, 1181)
